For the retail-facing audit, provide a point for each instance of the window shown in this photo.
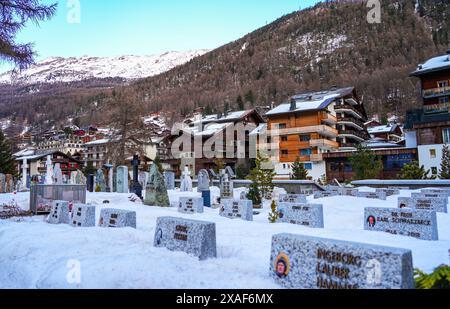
(284, 138)
(305, 138)
(444, 100)
(282, 126)
(446, 133)
(284, 152)
(434, 170)
(308, 166)
(433, 153)
(443, 84)
(305, 152)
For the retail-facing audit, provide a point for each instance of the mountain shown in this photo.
(66, 70)
(330, 44)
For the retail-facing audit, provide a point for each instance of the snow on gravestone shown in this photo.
(83, 216)
(60, 213)
(423, 203)
(389, 191)
(117, 218)
(310, 215)
(242, 209)
(349, 192)
(305, 262)
(436, 191)
(194, 237)
(322, 194)
(421, 224)
(191, 205)
(292, 198)
(373, 195)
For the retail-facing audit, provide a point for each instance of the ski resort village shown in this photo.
(111, 177)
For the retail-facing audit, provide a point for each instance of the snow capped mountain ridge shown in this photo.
(59, 69)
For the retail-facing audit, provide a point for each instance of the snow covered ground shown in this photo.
(34, 254)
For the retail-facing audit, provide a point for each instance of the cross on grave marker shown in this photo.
(136, 188)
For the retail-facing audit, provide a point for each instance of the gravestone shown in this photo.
(349, 192)
(60, 213)
(122, 179)
(389, 191)
(226, 187)
(419, 224)
(423, 203)
(90, 183)
(136, 187)
(100, 180)
(57, 175)
(292, 198)
(306, 262)
(49, 171)
(436, 191)
(83, 216)
(190, 205)
(373, 195)
(117, 218)
(169, 178)
(243, 195)
(143, 178)
(203, 187)
(242, 209)
(197, 238)
(442, 196)
(2, 183)
(186, 181)
(156, 192)
(310, 215)
(324, 194)
(73, 176)
(25, 176)
(9, 183)
(80, 179)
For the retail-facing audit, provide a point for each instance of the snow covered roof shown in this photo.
(311, 101)
(382, 144)
(433, 64)
(221, 118)
(382, 129)
(24, 153)
(260, 129)
(97, 142)
(207, 129)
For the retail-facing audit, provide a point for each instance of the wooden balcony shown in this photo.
(436, 92)
(320, 129)
(348, 109)
(360, 136)
(349, 121)
(327, 118)
(324, 143)
(316, 157)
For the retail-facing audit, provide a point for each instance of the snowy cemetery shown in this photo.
(138, 230)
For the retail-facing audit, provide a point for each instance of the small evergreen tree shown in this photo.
(413, 171)
(242, 171)
(240, 103)
(262, 176)
(439, 279)
(445, 163)
(274, 215)
(254, 194)
(7, 162)
(299, 172)
(365, 164)
(89, 169)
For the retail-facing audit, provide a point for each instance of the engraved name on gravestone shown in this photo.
(305, 262)
(349, 192)
(117, 218)
(389, 191)
(292, 198)
(226, 188)
(60, 213)
(197, 238)
(421, 224)
(191, 205)
(419, 203)
(242, 209)
(436, 191)
(373, 195)
(323, 194)
(83, 216)
(310, 215)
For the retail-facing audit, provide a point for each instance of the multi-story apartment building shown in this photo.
(429, 127)
(96, 152)
(313, 124)
(66, 143)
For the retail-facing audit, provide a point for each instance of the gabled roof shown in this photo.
(433, 65)
(382, 129)
(312, 101)
(41, 155)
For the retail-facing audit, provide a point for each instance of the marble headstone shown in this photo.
(292, 198)
(373, 195)
(349, 192)
(419, 224)
(323, 194)
(57, 175)
(423, 203)
(197, 238)
(83, 216)
(190, 205)
(436, 191)
(156, 192)
(186, 181)
(389, 191)
(226, 188)
(60, 213)
(203, 187)
(100, 179)
(310, 215)
(241, 209)
(117, 218)
(305, 262)
(169, 178)
(122, 179)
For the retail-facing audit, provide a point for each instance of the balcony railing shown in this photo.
(323, 143)
(349, 145)
(435, 92)
(317, 157)
(353, 134)
(347, 108)
(352, 122)
(321, 129)
(328, 118)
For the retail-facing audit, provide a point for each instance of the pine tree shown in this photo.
(89, 169)
(365, 164)
(7, 163)
(262, 176)
(157, 161)
(414, 172)
(274, 215)
(240, 103)
(445, 163)
(254, 194)
(299, 172)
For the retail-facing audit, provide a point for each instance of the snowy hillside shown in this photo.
(59, 69)
(36, 255)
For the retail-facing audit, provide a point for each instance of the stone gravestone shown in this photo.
(73, 178)
(292, 198)
(122, 179)
(117, 218)
(197, 238)
(242, 209)
(436, 191)
(169, 178)
(349, 192)
(60, 213)
(323, 194)
(100, 180)
(9, 183)
(226, 187)
(305, 262)
(186, 181)
(136, 187)
(389, 191)
(2, 183)
(156, 192)
(203, 187)
(423, 203)
(57, 175)
(373, 195)
(419, 224)
(80, 179)
(243, 195)
(83, 216)
(310, 215)
(49, 171)
(190, 205)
